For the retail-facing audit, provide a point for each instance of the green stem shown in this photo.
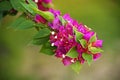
(45, 14)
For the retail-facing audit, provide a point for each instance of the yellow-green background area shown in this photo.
(20, 60)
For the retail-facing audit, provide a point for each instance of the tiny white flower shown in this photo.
(72, 61)
(52, 44)
(52, 32)
(36, 1)
(55, 37)
(63, 56)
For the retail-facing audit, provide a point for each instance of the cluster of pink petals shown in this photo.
(64, 38)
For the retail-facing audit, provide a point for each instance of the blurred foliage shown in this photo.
(20, 60)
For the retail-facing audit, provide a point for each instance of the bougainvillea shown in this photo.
(60, 35)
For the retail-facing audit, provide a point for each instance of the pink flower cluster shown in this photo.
(67, 34)
(64, 38)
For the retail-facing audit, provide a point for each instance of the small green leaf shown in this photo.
(17, 22)
(31, 2)
(79, 35)
(87, 57)
(83, 43)
(28, 8)
(42, 33)
(26, 25)
(95, 50)
(47, 49)
(76, 66)
(22, 23)
(40, 25)
(72, 53)
(40, 41)
(17, 4)
(62, 20)
(5, 6)
(93, 38)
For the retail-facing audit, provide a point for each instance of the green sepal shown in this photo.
(72, 53)
(83, 42)
(87, 57)
(62, 20)
(93, 38)
(95, 50)
(78, 35)
(76, 66)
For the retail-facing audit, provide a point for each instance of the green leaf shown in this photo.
(83, 43)
(31, 2)
(27, 24)
(42, 33)
(22, 23)
(5, 6)
(40, 25)
(47, 49)
(93, 38)
(95, 50)
(62, 20)
(72, 53)
(30, 6)
(40, 41)
(87, 57)
(76, 66)
(17, 22)
(17, 4)
(79, 35)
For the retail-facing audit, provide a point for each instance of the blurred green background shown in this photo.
(20, 60)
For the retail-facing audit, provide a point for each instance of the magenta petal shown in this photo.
(75, 23)
(55, 12)
(88, 35)
(96, 56)
(39, 18)
(67, 61)
(81, 28)
(68, 18)
(56, 24)
(98, 43)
